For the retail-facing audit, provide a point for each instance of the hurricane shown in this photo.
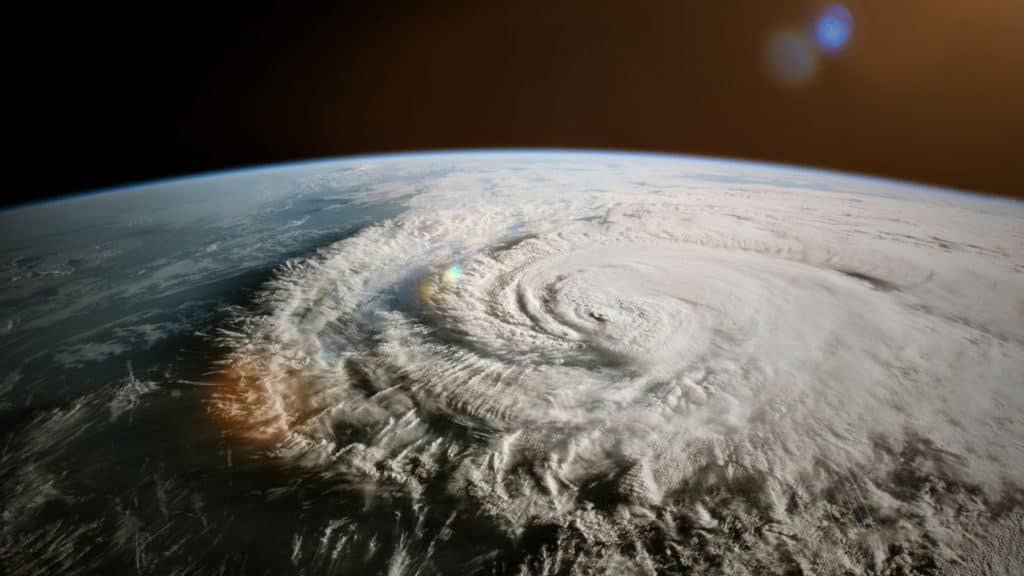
(613, 365)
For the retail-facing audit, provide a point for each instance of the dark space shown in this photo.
(928, 90)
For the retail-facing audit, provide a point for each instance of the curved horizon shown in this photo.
(426, 153)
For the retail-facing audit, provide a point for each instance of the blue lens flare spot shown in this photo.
(833, 28)
(452, 274)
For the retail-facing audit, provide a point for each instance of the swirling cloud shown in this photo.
(644, 354)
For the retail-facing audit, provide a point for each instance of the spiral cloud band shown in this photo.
(633, 364)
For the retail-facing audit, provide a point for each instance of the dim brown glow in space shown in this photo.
(922, 91)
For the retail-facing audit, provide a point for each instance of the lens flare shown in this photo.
(833, 28)
(452, 274)
(791, 58)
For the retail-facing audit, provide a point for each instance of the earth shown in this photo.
(513, 363)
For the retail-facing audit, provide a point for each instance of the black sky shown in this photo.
(929, 90)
